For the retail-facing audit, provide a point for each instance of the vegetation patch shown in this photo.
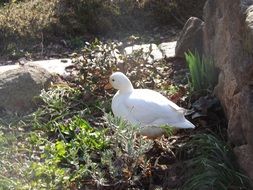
(212, 165)
(73, 142)
(25, 21)
(31, 25)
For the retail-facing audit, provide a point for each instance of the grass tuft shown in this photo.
(203, 74)
(212, 165)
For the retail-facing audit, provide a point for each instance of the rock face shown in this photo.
(190, 38)
(228, 39)
(18, 87)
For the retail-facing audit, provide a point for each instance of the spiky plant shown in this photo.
(203, 74)
(212, 165)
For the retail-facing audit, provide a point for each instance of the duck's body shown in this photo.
(144, 107)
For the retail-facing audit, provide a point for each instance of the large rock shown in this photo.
(244, 155)
(19, 86)
(228, 39)
(190, 38)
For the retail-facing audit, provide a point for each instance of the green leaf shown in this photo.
(60, 148)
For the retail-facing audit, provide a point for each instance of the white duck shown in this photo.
(146, 108)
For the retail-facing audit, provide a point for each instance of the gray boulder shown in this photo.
(190, 38)
(19, 86)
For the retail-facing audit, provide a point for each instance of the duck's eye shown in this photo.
(113, 80)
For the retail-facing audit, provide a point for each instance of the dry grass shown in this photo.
(27, 23)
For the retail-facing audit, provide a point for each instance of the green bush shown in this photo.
(72, 151)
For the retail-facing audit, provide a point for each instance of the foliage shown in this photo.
(69, 156)
(26, 21)
(76, 152)
(5, 182)
(128, 149)
(173, 11)
(100, 59)
(47, 21)
(59, 103)
(14, 151)
(71, 142)
(96, 65)
(212, 165)
(203, 74)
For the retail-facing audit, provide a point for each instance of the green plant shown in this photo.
(127, 148)
(71, 143)
(68, 157)
(70, 150)
(76, 42)
(58, 104)
(212, 165)
(14, 151)
(203, 74)
(126, 135)
(5, 181)
(99, 61)
(168, 130)
(78, 152)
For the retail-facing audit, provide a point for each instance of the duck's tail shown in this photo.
(184, 125)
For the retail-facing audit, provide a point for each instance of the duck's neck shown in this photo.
(127, 89)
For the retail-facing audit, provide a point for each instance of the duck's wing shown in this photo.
(151, 108)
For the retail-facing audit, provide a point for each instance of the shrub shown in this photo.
(76, 142)
(38, 22)
(71, 151)
(26, 22)
(99, 60)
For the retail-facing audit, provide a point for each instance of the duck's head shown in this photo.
(120, 82)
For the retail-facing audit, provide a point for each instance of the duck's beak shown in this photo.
(108, 86)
